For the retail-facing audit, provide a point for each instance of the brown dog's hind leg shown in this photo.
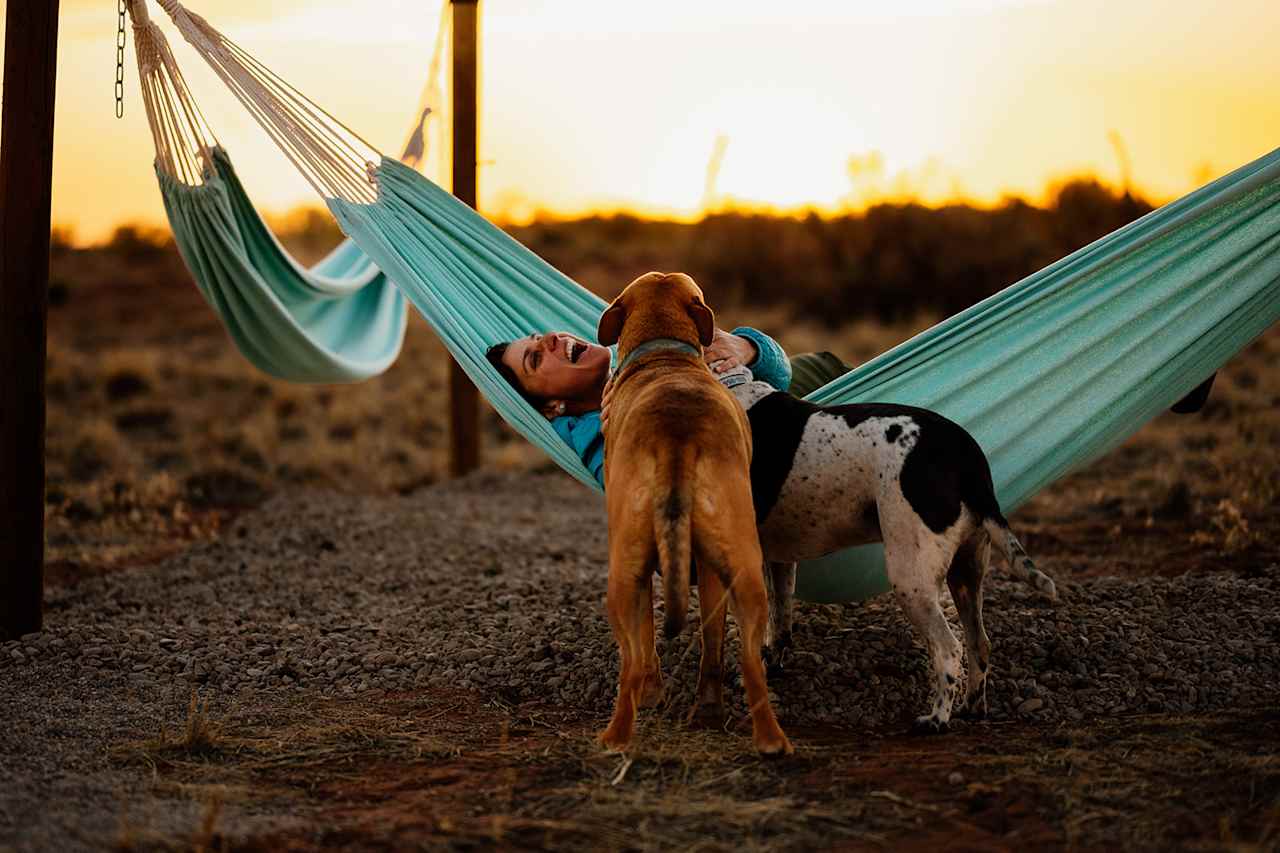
(713, 605)
(750, 605)
(968, 568)
(629, 609)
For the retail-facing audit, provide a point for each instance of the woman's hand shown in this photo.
(727, 352)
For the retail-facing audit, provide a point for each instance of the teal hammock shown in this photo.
(339, 321)
(1047, 374)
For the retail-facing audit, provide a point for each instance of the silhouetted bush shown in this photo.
(890, 262)
(139, 243)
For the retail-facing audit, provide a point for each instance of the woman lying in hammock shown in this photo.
(563, 377)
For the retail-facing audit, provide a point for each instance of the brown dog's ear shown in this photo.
(704, 320)
(610, 327)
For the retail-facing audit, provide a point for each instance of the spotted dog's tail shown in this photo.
(1016, 555)
(672, 529)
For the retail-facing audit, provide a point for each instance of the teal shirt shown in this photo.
(582, 432)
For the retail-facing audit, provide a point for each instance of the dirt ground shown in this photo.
(444, 769)
(430, 670)
(162, 442)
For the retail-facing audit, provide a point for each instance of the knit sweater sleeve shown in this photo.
(582, 433)
(771, 364)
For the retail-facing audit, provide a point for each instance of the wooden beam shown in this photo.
(464, 400)
(26, 171)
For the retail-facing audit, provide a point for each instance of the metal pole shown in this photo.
(26, 171)
(464, 400)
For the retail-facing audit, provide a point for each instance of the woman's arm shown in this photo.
(770, 364)
(582, 433)
(753, 349)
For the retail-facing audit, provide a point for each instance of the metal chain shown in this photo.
(120, 63)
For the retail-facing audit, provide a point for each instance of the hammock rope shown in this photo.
(1047, 374)
(431, 101)
(334, 159)
(339, 321)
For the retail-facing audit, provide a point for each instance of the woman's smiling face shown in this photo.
(560, 366)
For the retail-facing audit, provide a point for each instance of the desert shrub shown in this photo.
(96, 447)
(135, 244)
(62, 239)
(891, 262)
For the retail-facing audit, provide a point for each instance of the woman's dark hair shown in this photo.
(495, 354)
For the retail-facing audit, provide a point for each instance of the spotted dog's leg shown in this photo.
(944, 652)
(780, 580)
(917, 562)
(968, 568)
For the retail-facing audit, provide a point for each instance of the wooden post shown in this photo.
(26, 170)
(464, 400)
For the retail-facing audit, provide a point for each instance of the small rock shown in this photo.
(1030, 706)
(955, 778)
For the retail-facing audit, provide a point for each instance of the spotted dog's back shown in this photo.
(819, 471)
(818, 465)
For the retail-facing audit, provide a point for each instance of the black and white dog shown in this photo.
(828, 478)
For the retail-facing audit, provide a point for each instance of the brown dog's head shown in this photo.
(658, 305)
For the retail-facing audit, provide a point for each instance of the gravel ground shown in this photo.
(496, 584)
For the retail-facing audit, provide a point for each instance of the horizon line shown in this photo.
(727, 204)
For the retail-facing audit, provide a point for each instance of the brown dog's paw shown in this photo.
(613, 740)
(774, 746)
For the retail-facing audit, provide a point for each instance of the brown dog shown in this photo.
(677, 486)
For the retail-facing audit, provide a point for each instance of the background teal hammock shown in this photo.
(1047, 374)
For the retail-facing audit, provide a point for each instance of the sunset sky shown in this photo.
(593, 105)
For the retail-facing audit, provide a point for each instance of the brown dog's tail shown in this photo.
(673, 532)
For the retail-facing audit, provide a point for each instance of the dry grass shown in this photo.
(199, 739)
(449, 769)
(228, 752)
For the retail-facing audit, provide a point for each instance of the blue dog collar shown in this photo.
(658, 344)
